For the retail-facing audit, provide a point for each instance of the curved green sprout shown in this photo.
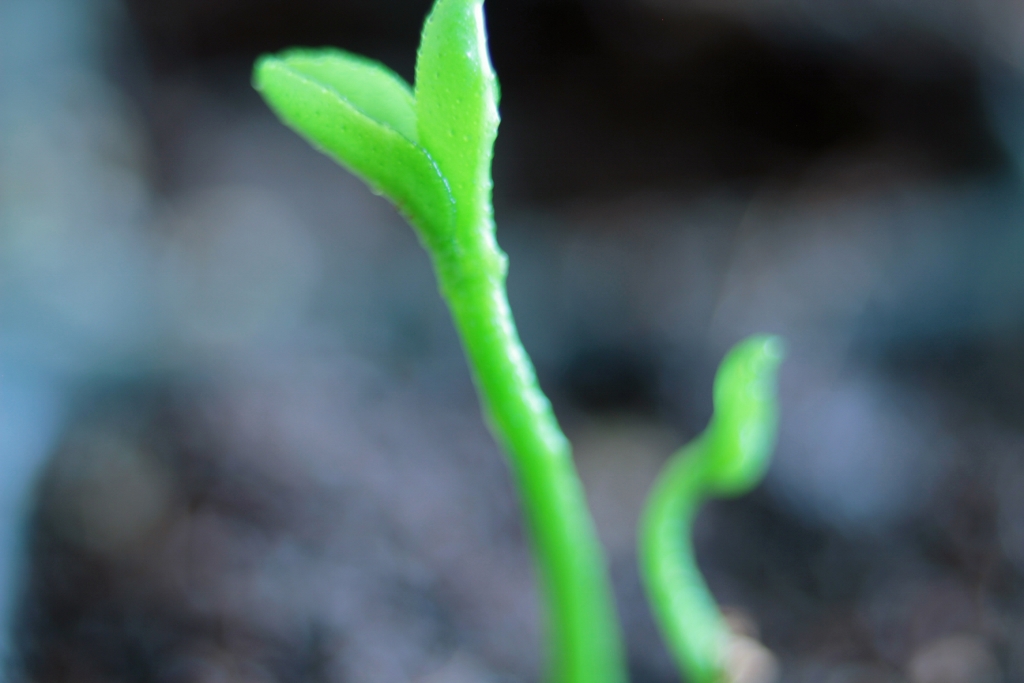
(728, 459)
(428, 149)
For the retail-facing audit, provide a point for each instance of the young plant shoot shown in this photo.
(428, 149)
(728, 459)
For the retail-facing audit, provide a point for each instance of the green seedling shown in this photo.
(728, 459)
(428, 149)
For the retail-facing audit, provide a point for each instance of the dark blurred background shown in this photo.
(238, 440)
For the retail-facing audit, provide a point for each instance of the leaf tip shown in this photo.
(746, 414)
(261, 69)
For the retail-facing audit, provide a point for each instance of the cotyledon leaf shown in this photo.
(457, 105)
(741, 435)
(362, 115)
(368, 85)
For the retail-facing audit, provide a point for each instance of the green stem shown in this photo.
(690, 621)
(583, 639)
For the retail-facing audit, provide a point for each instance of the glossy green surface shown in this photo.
(362, 115)
(429, 151)
(728, 459)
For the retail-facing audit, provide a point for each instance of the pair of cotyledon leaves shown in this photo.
(427, 149)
